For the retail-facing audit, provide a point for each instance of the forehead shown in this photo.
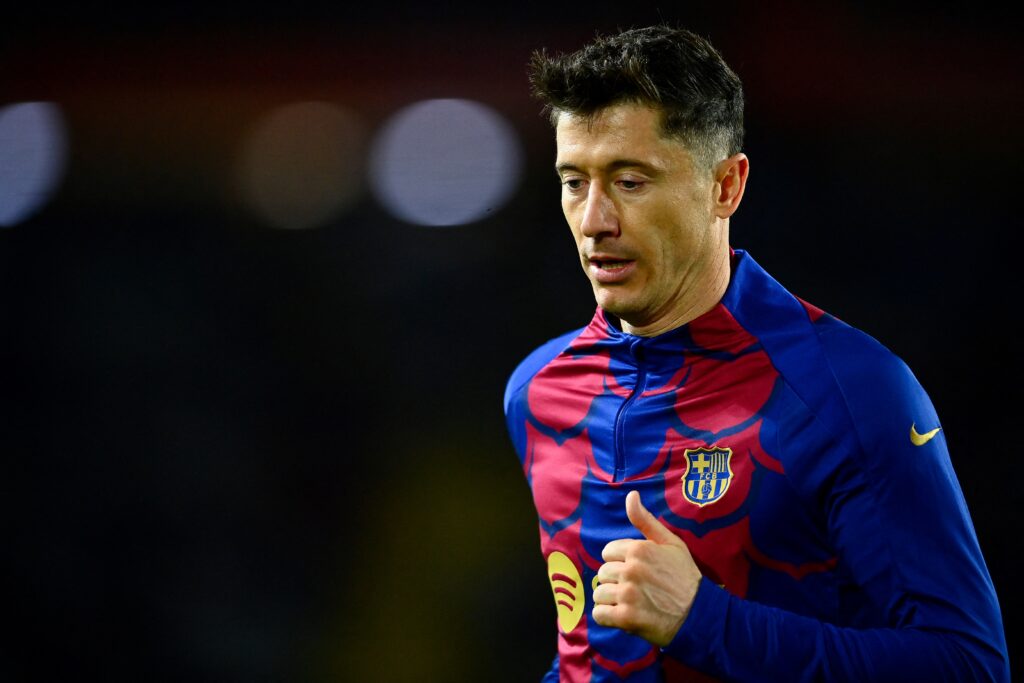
(621, 131)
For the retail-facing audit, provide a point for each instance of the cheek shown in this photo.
(576, 236)
(571, 220)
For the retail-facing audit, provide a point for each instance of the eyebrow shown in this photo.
(613, 166)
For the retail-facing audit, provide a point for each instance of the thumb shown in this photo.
(646, 523)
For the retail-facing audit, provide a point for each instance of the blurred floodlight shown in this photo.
(445, 162)
(301, 165)
(33, 151)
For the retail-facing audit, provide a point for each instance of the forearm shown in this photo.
(739, 640)
(551, 675)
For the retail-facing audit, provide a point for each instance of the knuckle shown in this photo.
(643, 551)
(628, 618)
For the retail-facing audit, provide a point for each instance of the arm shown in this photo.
(948, 633)
(551, 676)
(515, 420)
(899, 524)
(653, 589)
(743, 641)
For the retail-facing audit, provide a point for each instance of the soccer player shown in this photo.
(731, 484)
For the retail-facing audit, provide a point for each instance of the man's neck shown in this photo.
(708, 287)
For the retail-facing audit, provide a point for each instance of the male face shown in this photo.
(643, 217)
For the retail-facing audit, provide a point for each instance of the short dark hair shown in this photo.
(671, 69)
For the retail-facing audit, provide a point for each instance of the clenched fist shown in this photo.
(646, 586)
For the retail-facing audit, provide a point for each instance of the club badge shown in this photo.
(708, 474)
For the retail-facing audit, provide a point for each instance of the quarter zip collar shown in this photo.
(713, 332)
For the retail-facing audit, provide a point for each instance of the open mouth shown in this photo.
(610, 271)
(609, 262)
(610, 265)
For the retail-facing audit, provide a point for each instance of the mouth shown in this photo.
(609, 264)
(608, 269)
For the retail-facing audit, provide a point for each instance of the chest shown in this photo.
(696, 435)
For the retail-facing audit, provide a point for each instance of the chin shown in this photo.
(620, 306)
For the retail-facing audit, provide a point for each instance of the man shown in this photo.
(731, 484)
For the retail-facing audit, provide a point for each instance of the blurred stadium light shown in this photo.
(33, 152)
(445, 162)
(302, 165)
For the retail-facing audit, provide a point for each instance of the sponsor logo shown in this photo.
(567, 587)
(921, 439)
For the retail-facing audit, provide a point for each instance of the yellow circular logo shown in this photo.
(567, 587)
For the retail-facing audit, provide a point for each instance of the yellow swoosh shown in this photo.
(922, 439)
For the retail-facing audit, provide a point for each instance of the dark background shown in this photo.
(233, 452)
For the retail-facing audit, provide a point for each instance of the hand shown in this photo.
(646, 586)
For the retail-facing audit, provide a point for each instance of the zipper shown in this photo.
(637, 352)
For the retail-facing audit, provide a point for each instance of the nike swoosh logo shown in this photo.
(922, 439)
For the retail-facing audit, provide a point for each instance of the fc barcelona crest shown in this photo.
(708, 474)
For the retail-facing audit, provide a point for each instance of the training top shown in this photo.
(804, 467)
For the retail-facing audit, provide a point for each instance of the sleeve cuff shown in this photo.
(703, 632)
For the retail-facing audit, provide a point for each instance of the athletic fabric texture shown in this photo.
(776, 441)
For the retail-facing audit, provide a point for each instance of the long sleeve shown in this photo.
(924, 607)
(551, 675)
(739, 640)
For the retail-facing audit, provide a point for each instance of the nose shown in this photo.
(599, 215)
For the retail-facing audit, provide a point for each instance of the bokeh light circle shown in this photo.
(445, 162)
(33, 154)
(301, 165)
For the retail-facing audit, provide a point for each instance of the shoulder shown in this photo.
(861, 364)
(843, 376)
(884, 398)
(535, 361)
(851, 382)
(881, 421)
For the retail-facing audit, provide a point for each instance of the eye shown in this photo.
(630, 184)
(573, 184)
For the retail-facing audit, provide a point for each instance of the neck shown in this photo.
(703, 289)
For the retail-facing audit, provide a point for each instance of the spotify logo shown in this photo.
(567, 587)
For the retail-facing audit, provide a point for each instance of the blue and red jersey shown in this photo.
(804, 467)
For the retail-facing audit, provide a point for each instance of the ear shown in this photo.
(730, 182)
